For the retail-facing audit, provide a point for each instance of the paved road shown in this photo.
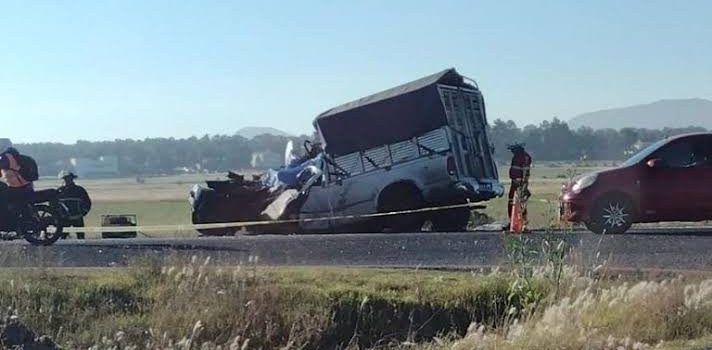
(682, 249)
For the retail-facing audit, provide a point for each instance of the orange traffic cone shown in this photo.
(517, 223)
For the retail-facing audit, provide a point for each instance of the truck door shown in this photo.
(318, 205)
(351, 191)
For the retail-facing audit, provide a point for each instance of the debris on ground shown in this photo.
(15, 335)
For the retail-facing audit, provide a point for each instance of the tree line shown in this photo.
(549, 141)
(160, 156)
(555, 141)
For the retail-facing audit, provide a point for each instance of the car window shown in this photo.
(638, 157)
(678, 154)
(701, 151)
(704, 153)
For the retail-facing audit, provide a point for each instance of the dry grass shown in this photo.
(595, 315)
(194, 305)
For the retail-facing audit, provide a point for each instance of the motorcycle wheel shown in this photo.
(43, 228)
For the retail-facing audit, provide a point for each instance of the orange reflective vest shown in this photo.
(11, 175)
(521, 166)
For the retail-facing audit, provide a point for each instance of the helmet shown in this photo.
(5, 144)
(516, 147)
(65, 174)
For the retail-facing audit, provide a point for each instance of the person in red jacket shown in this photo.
(519, 174)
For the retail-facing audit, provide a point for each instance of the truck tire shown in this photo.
(612, 214)
(401, 197)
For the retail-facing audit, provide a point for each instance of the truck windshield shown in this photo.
(635, 159)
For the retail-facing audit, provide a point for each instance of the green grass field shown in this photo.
(166, 212)
(155, 200)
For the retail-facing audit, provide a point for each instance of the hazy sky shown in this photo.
(98, 70)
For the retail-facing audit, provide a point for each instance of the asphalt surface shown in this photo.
(663, 248)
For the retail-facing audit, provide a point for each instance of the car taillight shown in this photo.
(451, 166)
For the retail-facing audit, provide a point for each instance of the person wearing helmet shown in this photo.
(18, 172)
(76, 199)
(519, 175)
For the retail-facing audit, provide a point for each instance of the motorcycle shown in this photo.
(39, 221)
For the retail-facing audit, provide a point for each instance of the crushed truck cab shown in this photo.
(422, 144)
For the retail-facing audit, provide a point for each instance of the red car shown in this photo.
(667, 181)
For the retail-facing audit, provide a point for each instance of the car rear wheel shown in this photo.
(612, 214)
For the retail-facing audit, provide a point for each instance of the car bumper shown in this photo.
(572, 208)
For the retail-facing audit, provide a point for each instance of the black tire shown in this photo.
(44, 228)
(80, 235)
(451, 220)
(401, 198)
(612, 214)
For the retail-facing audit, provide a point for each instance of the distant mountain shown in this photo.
(252, 131)
(657, 115)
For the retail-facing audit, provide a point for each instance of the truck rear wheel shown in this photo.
(401, 197)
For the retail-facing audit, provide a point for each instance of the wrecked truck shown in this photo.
(419, 145)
